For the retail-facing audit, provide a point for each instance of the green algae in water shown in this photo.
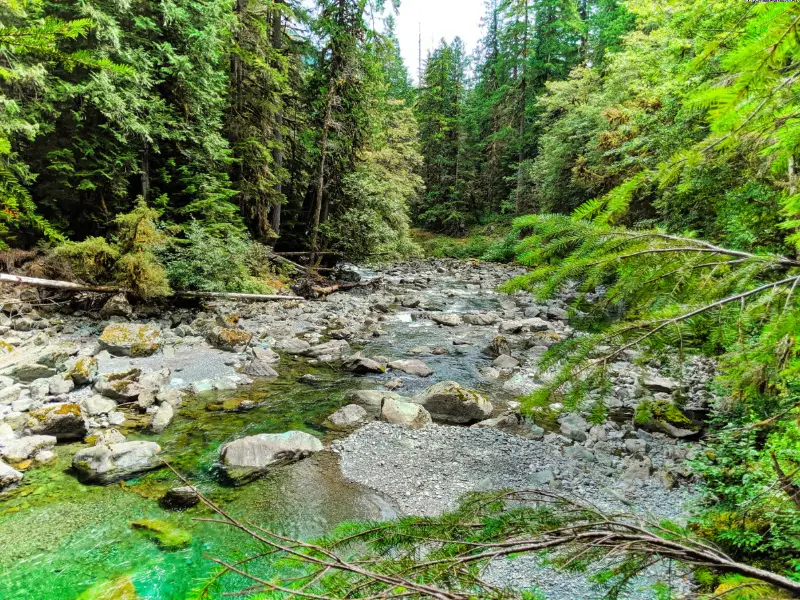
(167, 536)
(61, 538)
(118, 589)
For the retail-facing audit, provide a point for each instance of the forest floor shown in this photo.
(209, 377)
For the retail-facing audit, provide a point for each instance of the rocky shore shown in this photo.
(440, 358)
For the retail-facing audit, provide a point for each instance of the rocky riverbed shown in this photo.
(408, 386)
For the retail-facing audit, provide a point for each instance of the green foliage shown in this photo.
(90, 260)
(207, 263)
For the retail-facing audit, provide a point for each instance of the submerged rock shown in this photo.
(118, 589)
(130, 339)
(166, 535)
(110, 463)
(180, 498)
(412, 366)
(448, 402)
(249, 458)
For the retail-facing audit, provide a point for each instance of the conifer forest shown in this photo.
(284, 317)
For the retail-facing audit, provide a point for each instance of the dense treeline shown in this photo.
(277, 120)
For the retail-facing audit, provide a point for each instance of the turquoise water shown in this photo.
(60, 537)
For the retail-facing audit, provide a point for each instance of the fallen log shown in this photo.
(285, 261)
(78, 287)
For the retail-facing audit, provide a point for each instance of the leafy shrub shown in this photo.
(206, 263)
(91, 260)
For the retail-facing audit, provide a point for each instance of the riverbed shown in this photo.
(61, 537)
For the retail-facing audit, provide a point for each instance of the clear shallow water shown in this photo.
(58, 537)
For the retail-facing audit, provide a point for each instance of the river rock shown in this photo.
(499, 347)
(412, 415)
(105, 437)
(373, 399)
(532, 324)
(574, 427)
(59, 386)
(347, 417)
(412, 366)
(16, 451)
(110, 463)
(656, 383)
(292, 345)
(83, 370)
(121, 385)
(265, 355)
(162, 418)
(131, 339)
(10, 393)
(481, 319)
(249, 458)
(180, 498)
(361, 365)
(259, 368)
(116, 306)
(504, 361)
(334, 349)
(446, 319)
(228, 338)
(8, 477)
(637, 469)
(64, 420)
(30, 371)
(448, 402)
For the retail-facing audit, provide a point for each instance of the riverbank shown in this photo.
(235, 370)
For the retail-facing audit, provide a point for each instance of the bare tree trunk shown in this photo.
(145, 170)
(522, 108)
(321, 179)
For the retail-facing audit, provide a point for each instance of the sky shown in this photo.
(438, 19)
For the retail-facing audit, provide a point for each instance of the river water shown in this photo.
(58, 538)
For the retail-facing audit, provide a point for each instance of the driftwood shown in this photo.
(77, 287)
(310, 288)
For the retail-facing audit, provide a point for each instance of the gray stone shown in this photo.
(162, 418)
(656, 383)
(446, 319)
(579, 452)
(412, 366)
(448, 402)
(574, 427)
(24, 448)
(228, 338)
(637, 469)
(8, 477)
(58, 385)
(130, 339)
(121, 385)
(481, 319)
(108, 436)
(64, 420)
(172, 396)
(532, 324)
(260, 369)
(361, 366)
(31, 371)
(504, 361)
(543, 478)
(292, 346)
(6, 433)
(634, 446)
(82, 370)
(116, 306)
(180, 498)
(265, 355)
(334, 349)
(39, 389)
(373, 399)
(409, 414)
(555, 312)
(249, 458)
(24, 324)
(10, 394)
(347, 417)
(110, 463)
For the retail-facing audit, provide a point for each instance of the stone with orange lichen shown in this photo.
(63, 420)
(130, 339)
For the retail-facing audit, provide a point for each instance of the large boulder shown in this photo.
(412, 366)
(347, 417)
(110, 463)
(292, 345)
(446, 319)
(16, 451)
(481, 319)
(249, 458)
(448, 402)
(8, 477)
(397, 412)
(116, 306)
(361, 365)
(64, 420)
(130, 339)
(228, 338)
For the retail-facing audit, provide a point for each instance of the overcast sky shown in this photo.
(439, 19)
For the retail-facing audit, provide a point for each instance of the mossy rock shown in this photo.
(164, 534)
(83, 371)
(228, 338)
(664, 417)
(121, 588)
(125, 339)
